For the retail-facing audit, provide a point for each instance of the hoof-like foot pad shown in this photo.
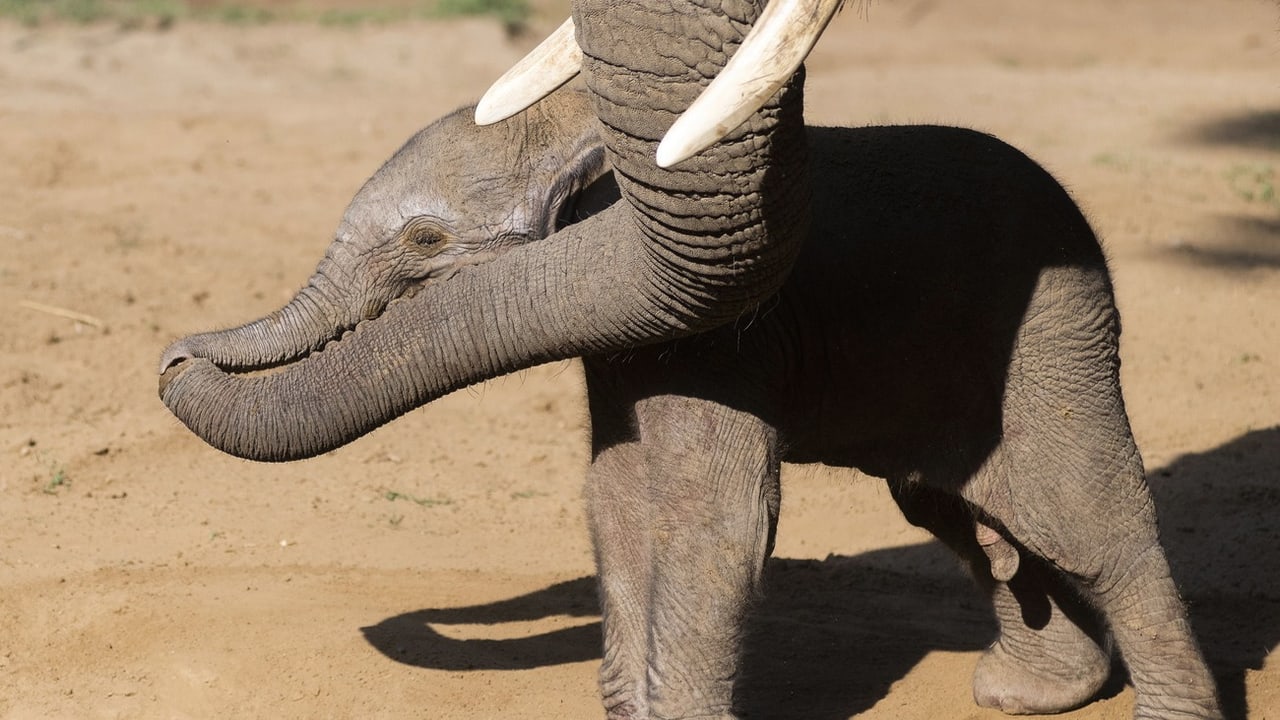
(1005, 683)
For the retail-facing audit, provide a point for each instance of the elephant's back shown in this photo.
(951, 191)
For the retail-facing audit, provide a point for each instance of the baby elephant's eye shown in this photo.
(425, 238)
(424, 235)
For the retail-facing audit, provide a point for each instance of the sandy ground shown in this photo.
(164, 182)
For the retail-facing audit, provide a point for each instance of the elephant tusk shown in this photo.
(769, 55)
(771, 52)
(553, 63)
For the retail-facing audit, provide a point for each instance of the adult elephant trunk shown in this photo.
(688, 249)
(722, 228)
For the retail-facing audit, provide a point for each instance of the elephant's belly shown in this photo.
(890, 426)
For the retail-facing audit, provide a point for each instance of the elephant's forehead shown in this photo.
(447, 178)
(428, 199)
(488, 191)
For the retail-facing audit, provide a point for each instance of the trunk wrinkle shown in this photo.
(687, 250)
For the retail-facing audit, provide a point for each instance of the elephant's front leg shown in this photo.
(682, 516)
(713, 494)
(618, 512)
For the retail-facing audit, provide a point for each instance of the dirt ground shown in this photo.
(161, 182)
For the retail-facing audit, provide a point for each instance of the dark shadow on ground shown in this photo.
(1249, 240)
(833, 635)
(1220, 523)
(830, 638)
(1234, 244)
(1259, 129)
(411, 638)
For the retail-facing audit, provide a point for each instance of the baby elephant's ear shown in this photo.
(581, 187)
(573, 158)
(568, 180)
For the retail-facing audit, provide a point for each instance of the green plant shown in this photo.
(354, 16)
(513, 14)
(233, 14)
(126, 12)
(1113, 160)
(392, 496)
(1254, 183)
(57, 479)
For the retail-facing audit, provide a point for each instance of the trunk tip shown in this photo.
(175, 354)
(171, 372)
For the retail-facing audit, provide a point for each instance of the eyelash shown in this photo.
(423, 234)
(425, 238)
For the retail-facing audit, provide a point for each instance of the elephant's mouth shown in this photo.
(373, 311)
(600, 194)
(177, 365)
(176, 358)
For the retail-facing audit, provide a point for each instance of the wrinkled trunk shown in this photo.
(310, 320)
(485, 321)
(722, 228)
(686, 250)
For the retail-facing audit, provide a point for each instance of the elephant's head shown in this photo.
(689, 248)
(455, 194)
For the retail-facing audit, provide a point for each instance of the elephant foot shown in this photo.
(1042, 685)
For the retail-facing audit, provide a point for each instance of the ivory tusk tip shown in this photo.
(697, 129)
(489, 112)
(669, 155)
(675, 150)
(770, 53)
(553, 63)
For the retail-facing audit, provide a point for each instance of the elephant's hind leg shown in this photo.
(1067, 484)
(1046, 658)
(1095, 523)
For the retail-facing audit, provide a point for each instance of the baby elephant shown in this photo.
(949, 326)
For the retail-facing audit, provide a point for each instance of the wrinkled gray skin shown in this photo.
(949, 326)
(411, 223)
(689, 249)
